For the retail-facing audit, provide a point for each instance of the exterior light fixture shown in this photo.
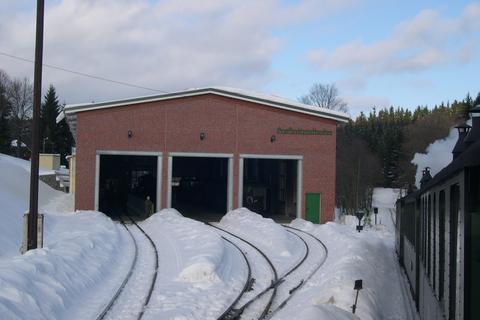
(203, 135)
(273, 138)
(375, 211)
(130, 134)
(358, 286)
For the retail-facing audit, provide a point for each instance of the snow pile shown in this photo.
(202, 248)
(385, 197)
(325, 312)
(437, 156)
(14, 199)
(77, 260)
(280, 245)
(23, 164)
(199, 273)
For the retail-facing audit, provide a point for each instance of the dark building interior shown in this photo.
(270, 186)
(199, 187)
(125, 183)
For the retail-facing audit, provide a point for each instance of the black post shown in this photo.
(37, 92)
(375, 211)
(358, 286)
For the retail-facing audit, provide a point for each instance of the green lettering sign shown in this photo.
(305, 132)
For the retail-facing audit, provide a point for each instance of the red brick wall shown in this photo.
(231, 126)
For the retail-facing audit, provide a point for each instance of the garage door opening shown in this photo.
(125, 182)
(270, 187)
(199, 187)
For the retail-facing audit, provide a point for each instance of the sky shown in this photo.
(377, 53)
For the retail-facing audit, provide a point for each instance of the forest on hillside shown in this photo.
(376, 150)
(16, 111)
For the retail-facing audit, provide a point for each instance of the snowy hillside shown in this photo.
(14, 199)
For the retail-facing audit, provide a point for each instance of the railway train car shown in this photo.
(438, 233)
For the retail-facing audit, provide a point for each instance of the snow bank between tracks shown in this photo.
(77, 260)
(280, 245)
(201, 248)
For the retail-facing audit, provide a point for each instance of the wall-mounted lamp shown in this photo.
(130, 133)
(273, 138)
(203, 135)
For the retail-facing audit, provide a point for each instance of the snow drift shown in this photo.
(14, 199)
(280, 245)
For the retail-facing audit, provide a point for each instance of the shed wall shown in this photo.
(231, 126)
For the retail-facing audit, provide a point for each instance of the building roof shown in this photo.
(260, 98)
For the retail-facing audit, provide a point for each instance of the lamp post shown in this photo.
(375, 211)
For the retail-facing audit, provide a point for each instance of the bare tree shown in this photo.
(20, 97)
(324, 96)
(4, 83)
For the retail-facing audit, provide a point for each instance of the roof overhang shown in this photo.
(263, 99)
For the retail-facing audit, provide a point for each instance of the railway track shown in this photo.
(134, 270)
(302, 279)
(235, 310)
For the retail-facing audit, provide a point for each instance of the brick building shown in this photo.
(205, 152)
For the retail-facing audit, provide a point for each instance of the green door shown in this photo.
(312, 207)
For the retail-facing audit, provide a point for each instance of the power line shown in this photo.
(82, 73)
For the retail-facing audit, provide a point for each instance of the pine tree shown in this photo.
(50, 108)
(56, 137)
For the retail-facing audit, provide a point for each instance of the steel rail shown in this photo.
(154, 277)
(235, 313)
(245, 287)
(112, 301)
(303, 281)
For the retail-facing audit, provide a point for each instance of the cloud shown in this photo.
(426, 41)
(168, 45)
(365, 103)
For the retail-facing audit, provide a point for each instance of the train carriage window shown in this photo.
(434, 218)
(429, 236)
(454, 207)
(424, 233)
(473, 254)
(441, 244)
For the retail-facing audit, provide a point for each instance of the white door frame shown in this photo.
(228, 156)
(129, 153)
(298, 158)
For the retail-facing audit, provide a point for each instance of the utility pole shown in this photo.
(37, 92)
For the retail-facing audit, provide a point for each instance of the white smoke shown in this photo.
(438, 155)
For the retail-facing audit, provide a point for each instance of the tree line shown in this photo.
(376, 150)
(16, 106)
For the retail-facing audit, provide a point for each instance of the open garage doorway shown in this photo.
(270, 187)
(125, 182)
(200, 186)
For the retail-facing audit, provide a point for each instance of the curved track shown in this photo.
(108, 308)
(302, 282)
(245, 288)
(235, 312)
(267, 311)
(109, 305)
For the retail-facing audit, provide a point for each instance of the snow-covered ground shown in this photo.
(87, 256)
